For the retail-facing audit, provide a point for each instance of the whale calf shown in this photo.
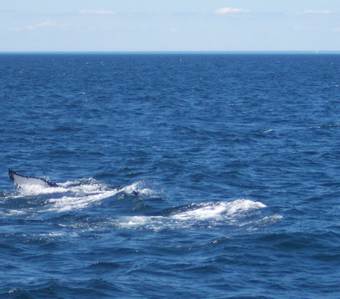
(22, 180)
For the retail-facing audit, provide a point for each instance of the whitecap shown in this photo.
(35, 189)
(219, 209)
(79, 194)
(69, 203)
(268, 131)
(137, 188)
(212, 214)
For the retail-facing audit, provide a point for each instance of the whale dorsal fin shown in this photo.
(22, 180)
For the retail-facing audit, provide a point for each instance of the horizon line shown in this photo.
(203, 52)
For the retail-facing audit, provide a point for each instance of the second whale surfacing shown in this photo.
(21, 180)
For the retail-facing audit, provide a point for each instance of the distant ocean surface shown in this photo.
(180, 176)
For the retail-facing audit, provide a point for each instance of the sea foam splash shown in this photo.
(213, 213)
(79, 194)
(79, 201)
(137, 188)
(220, 210)
(85, 195)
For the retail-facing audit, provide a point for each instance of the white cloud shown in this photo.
(317, 12)
(97, 12)
(37, 26)
(223, 11)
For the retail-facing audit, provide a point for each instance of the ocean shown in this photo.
(179, 176)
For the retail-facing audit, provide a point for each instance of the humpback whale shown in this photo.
(22, 180)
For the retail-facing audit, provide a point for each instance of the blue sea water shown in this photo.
(180, 176)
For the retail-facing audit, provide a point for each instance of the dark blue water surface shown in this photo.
(180, 176)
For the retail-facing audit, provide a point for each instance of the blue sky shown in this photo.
(176, 25)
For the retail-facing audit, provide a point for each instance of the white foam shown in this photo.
(137, 188)
(53, 234)
(35, 189)
(12, 212)
(79, 194)
(214, 213)
(137, 221)
(271, 219)
(86, 194)
(155, 223)
(268, 131)
(68, 203)
(220, 209)
(88, 186)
